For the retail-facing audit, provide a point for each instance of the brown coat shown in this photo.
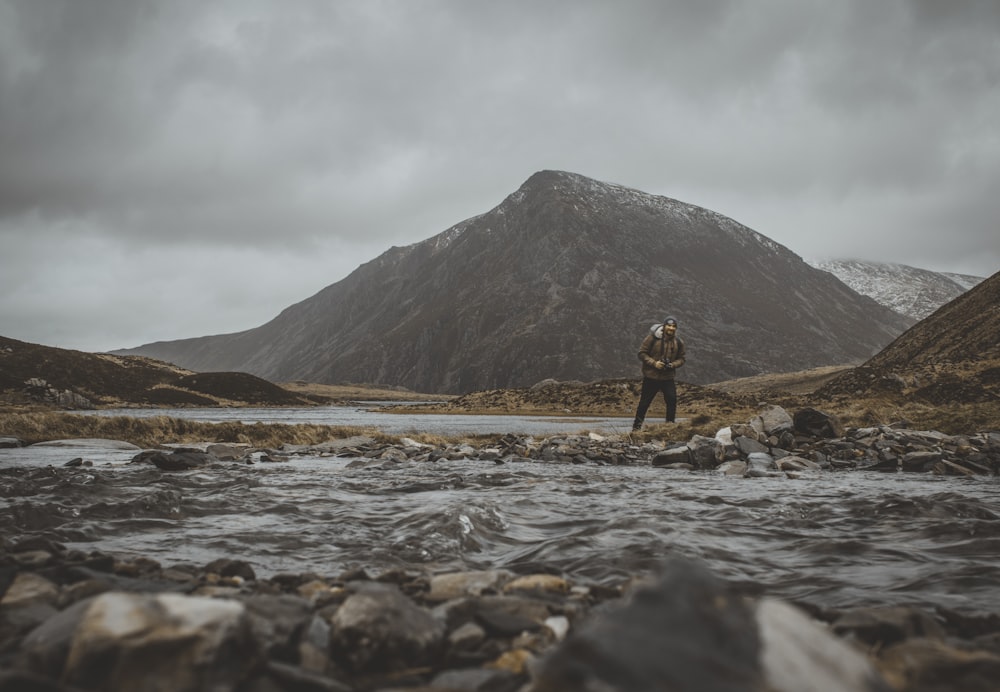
(655, 348)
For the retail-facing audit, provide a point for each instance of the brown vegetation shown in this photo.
(109, 380)
(334, 393)
(32, 427)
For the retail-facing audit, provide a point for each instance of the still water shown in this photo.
(392, 423)
(836, 540)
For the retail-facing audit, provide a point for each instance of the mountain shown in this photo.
(951, 356)
(907, 290)
(561, 280)
(31, 373)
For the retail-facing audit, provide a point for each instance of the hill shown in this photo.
(952, 356)
(907, 290)
(561, 280)
(31, 373)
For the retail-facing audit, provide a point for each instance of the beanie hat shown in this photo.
(670, 320)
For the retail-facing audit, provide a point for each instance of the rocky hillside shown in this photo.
(561, 280)
(30, 373)
(907, 290)
(951, 356)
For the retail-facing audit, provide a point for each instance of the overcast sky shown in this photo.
(179, 168)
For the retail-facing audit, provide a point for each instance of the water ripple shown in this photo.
(841, 539)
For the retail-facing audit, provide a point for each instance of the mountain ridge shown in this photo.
(560, 280)
(908, 290)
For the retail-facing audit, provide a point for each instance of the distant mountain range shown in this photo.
(907, 290)
(561, 280)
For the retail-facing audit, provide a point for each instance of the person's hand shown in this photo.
(668, 364)
(660, 365)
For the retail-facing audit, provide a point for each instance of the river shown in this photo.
(835, 540)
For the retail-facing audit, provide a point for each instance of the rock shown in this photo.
(467, 637)
(746, 430)
(498, 615)
(761, 465)
(691, 631)
(68, 399)
(706, 452)
(179, 461)
(45, 648)
(500, 620)
(775, 420)
(29, 601)
(736, 467)
(289, 677)
(686, 631)
(276, 622)
(413, 444)
(724, 436)
(884, 626)
(228, 452)
(27, 589)
(795, 463)
(538, 583)
(225, 567)
(932, 664)
(377, 629)
(748, 445)
(675, 455)
(445, 587)
(476, 680)
(810, 421)
(800, 654)
(165, 642)
(919, 461)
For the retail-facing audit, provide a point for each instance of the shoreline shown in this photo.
(218, 625)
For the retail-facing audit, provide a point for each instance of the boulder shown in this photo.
(706, 452)
(445, 587)
(736, 467)
(761, 465)
(775, 420)
(748, 445)
(801, 654)
(685, 631)
(816, 423)
(160, 642)
(689, 630)
(378, 629)
(228, 452)
(674, 455)
(177, 461)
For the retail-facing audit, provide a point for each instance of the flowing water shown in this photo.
(836, 540)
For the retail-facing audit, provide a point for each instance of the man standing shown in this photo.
(661, 353)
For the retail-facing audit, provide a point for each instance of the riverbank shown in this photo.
(74, 621)
(507, 562)
(427, 573)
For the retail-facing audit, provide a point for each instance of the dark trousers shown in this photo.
(650, 388)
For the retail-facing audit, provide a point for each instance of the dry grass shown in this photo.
(151, 432)
(38, 426)
(951, 419)
(802, 382)
(358, 392)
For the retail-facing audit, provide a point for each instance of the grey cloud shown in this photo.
(254, 126)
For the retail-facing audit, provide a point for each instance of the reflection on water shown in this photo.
(840, 539)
